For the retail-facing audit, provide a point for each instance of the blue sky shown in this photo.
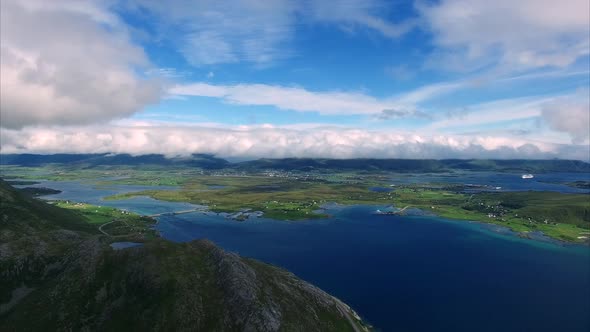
(246, 78)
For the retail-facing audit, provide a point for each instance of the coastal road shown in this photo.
(403, 209)
(101, 226)
(345, 311)
(173, 213)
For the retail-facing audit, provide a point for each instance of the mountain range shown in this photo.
(211, 162)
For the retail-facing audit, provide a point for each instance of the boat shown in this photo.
(527, 176)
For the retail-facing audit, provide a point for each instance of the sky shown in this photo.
(309, 78)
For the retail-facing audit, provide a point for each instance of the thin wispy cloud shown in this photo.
(302, 100)
(569, 114)
(213, 32)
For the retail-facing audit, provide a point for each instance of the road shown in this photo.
(173, 213)
(101, 226)
(402, 209)
(345, 311)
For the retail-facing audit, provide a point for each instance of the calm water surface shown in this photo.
(89, 193)
(399, 273)
(416, 273)
(507, 181)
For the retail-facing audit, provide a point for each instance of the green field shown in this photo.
(562, 216)
(278, 198)
(117, 223)
(298, 195)
(101, 175)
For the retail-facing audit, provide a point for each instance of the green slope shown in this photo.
(56, 273)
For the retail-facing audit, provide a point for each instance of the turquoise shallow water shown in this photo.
(402, 273)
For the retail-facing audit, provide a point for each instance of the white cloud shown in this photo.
(513, 34)
(494, 112)
(208, 48)
(352, 14)
(429, 91)
(269, 141)
(166, 73)
(212, 32)
(570, 115)
(67, 63)
(562, 114)
(325, 103)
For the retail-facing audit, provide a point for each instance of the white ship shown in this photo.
(527, 176)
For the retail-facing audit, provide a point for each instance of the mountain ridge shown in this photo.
(57, 277)
(211, 162)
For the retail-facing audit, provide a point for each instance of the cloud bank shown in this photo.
(273, 142)
(68, 62)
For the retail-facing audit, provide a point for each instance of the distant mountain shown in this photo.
(40, 159)
(89, 160)
(206, 161)
(418, 165)
(58, 273)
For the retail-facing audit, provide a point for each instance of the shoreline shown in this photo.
(519, 227)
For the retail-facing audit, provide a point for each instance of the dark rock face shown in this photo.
(54, 278)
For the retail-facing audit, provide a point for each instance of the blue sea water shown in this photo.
(400, 273)
(416, 273)
(380, 189)
(89, 193)
(506, 181)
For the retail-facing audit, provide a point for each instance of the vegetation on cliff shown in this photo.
(59, 272)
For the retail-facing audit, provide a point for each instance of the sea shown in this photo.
(402, 273)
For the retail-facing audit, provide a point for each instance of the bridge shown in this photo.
(173, 213)
(402, 210)
(397, 212)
